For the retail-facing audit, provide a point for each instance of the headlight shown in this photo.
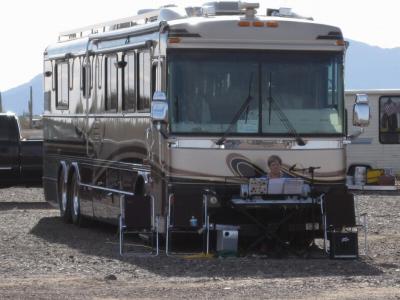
(213, 200)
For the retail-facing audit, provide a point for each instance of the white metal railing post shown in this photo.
(365, 233)
(167, 241)
(121, 223)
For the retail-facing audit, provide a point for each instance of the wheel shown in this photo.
(301, 240)
(63, 201)
(77, 217)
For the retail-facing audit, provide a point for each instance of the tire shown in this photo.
(63, 201)
(301, 241)
(75, 201)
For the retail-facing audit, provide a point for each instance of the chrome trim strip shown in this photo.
(111, 115)
(319, 144)
(101, 163)
(345, 256)
(106, 189)
(362, 141)
(255, 143)
(5, 168)
(145, 44)
(271, 202)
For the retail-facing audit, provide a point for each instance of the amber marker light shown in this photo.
(272, 24)
(340, 43)
(258, 24)
(174, 40)
(244, 23)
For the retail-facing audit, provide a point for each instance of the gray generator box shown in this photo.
(227, 241)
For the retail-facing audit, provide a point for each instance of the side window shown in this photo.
(99, 71)
(144, 81)
(62, 85)
(129, 97)
(8, 129)
(111, 87)
(153, 79)
(389, 119)
(85, 79)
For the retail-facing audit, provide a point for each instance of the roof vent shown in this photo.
(285, 12)
(145, 11)
(249, 8)
(220, 8)
(194, 11)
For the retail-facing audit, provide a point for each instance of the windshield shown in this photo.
(207, 89)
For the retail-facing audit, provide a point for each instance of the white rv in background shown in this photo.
(378, 146)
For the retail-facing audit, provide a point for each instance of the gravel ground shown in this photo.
(43, 258)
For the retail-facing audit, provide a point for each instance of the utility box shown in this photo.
(343, 245)
(227, 241)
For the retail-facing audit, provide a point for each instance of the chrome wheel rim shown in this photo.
(63, 196)
(76, 200)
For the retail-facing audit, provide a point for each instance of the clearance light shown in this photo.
(244, 23)
(340, 43)
(258, 24)
(272, 24)
(174, 40)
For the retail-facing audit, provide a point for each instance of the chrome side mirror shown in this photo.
(159, 108)
(361, 111)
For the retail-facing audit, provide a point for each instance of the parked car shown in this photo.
(21, 160)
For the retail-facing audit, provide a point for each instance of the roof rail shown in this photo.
(148, 16)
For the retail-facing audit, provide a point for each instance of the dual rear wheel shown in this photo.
(69, 200)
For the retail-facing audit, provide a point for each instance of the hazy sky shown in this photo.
(27, 27)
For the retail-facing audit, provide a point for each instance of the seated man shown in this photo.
(274, 164)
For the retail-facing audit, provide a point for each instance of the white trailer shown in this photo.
(377, 147)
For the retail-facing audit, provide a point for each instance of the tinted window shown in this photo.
(8, 129)
(389, 119)
(144, 81)
(62, 85)
(129, 99)
(86, 78)
(264, 93)
(111, 83)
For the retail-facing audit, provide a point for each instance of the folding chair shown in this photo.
(181, 211)
(340, 227)
(137, 216)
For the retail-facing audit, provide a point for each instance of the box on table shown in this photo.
(258, 186)
(293, 186)
(275, 186)
(373, 175)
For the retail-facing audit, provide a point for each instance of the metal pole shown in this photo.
(208, 234)
(30, 107)
(121, 223)
(168, 225)
(365, 234)
(157, 246)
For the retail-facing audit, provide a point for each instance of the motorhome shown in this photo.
(184, 106)
(376, 147)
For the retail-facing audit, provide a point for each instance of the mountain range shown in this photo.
(367, 67)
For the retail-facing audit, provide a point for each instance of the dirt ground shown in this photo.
(43, 258)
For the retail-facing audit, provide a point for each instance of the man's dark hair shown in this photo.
(274, 158)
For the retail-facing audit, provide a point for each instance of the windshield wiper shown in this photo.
(244, 107)
(281, 115)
